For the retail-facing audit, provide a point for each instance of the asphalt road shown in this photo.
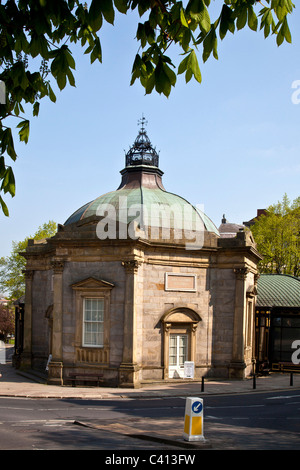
(260, 421)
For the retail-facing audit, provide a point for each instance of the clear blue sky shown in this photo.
(231, 143)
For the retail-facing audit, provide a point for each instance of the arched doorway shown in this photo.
(179, 330)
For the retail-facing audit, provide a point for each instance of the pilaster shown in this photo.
(26, 357)
(237, 365)
(128, 371)
(56, 364)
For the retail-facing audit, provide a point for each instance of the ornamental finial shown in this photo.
(142, 122)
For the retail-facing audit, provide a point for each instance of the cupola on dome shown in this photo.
(142, 152)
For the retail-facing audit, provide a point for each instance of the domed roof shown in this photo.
(228, 229)
(142, 199)
(155, 201)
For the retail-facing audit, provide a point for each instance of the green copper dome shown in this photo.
(127, 202)
(142, 199)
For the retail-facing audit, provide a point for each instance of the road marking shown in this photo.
(283, 396)
(240, 418)
(46, 422)
(15, 408)
(234, 406)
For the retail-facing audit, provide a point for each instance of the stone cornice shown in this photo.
(241, 249)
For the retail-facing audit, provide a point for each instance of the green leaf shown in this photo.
(7, 144)
(24, 130)
(165, 78)
(61, 80)
(286, 31)
(2, 167)
(185, 39)
(242, 18)
(51, 93)
(71, 77)
(194, 66)
(36, 108)
(95, 15)
(280, 38)
(69, 57)
(161, 80)
(141, 34)
(197, 10)
(150, 83)
(226, 21)
(136, 69)
(190, 65)
(252, 19)
(8, 182)
(183, 18)
(170, 73)
(107, 9)
(4, 207)
(96, 52)
(183, 65)
(19, 75)
(60, 67)
(210, 45)
(121, 5)
(204, 20)
(267, 21)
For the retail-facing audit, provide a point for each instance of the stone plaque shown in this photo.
(180, 282)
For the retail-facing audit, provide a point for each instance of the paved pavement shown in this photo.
(14, 383)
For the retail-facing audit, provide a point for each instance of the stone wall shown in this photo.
(157, 301)
(223, 299)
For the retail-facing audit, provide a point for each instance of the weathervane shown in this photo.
(142, 122)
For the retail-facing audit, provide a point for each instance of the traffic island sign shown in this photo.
(193, 420)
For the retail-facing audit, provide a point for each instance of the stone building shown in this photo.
(138, 283)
